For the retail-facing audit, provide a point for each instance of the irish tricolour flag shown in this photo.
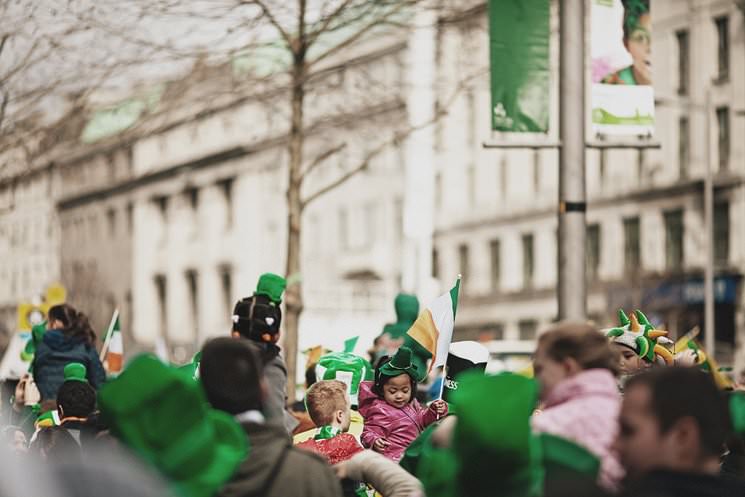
(433, 329)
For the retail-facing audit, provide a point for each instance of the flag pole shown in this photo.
(445, 366)
(106, 341)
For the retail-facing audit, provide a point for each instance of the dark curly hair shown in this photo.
(77, 399)
(76, 324)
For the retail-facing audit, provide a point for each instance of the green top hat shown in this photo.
(345, 367)
(271, 285)
(493, 437)
(737, 412)
(76, 372)
(400, 363)
(163, 415)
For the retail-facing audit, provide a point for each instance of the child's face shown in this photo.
(397, 392)
(638, 44)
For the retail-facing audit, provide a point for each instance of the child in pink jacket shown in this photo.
(393, 417)
(576, 370)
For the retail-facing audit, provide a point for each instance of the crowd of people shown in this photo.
(611, 412)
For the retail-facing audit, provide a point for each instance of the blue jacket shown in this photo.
(55, 352)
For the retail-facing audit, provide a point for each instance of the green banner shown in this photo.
(519, 35)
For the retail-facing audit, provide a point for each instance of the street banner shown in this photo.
(519, 35)
(462, 357)
(622, 91)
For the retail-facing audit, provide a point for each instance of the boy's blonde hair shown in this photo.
(324, 398)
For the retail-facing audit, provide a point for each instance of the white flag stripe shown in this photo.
(442, 316)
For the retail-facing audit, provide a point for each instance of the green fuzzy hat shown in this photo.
(564, 460)
(400, 363)
(163, 415)
(272, 286)
(75, 371)
(347, 368)
(492, 437)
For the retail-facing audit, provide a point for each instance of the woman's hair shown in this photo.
(75, 323)
(632, 11)
(581, 342)
(381, 379)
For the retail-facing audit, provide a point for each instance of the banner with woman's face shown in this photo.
(622, 92)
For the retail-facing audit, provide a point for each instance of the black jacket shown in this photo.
(664, 483)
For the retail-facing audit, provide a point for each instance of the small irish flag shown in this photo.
(433, 329)
(112, 352)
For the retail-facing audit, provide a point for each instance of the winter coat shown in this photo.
(584, 409)
(399, 426)
(275, 373)
(274, 468)
(56, 351)
(665, 483)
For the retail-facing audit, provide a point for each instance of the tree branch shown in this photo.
(321, 159)
(272, 20)
(313, 36)
(377, 21)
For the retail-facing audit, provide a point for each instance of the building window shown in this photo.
(111, 221)
(226, 287)
(528, 329)
(723, 135)
(343, 229)
(192, 286)
(162, 205)
(471, 179)
(602, 166)
(721, 233)
(226, 187)
(722, 24)
(674, 231)
(536, 170)
(683, 150)
(528, 260)
(495, 255)
(683, 60)
(463, 264)
(161, 289)
(503, 178)
(438, 190)
(435, 263)
(632, 245)
(371, 219)
(130, 216)
(472, 124)
(593, 252)
(192, 195)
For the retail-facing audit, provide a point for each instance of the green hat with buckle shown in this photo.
(163, 415)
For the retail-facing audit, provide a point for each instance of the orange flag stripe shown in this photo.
(426, 333)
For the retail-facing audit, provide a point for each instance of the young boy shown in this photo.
(330, 409)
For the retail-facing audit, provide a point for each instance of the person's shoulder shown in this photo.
(298, 457)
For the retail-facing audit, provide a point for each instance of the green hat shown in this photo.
(400, 363)
(271, 285)
(75, 371)
(163, 415)
(638, 334)
(347, 368)
(737, 412)
(493, 438)
(564, 460)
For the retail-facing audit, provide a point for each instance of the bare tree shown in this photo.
(305, 37)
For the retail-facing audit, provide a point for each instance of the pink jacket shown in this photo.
(584, 409)
(399, 426)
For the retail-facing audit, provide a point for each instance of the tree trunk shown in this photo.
(294, 295)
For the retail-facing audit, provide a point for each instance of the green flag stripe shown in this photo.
(454, 296)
